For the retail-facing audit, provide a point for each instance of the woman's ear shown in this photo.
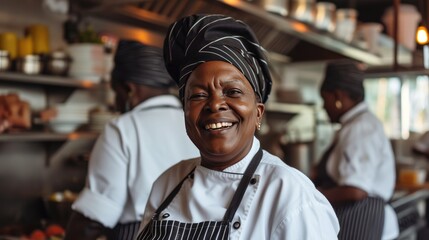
(131, 88)
(260, 109)
(338, 95)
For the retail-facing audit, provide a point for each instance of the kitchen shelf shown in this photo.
(45, 80)
(46, 136)
(306, 33)
(278, 34)
(57, 145)
(389, 72)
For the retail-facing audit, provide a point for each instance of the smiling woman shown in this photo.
(222, 113)
(235, 190)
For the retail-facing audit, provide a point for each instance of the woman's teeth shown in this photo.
(214, 126)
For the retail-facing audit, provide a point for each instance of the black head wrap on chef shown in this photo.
(142, 64)
(196, 39)
(346, 75)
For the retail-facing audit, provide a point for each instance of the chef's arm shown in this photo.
(83, 228)
(343, 194)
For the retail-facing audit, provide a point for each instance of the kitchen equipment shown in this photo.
(29, 64)
(274, 6)
(345, 24)
(87, 61)
(298, 155)
(9, 42)
(408, 19)
(98, 117)
(303, 10)
(5, 61)
(371, 33)
(58, 206)
(325, 16)
(40, 37)
(69, 117)
(25, 46)
(411, 176)
(58, 63)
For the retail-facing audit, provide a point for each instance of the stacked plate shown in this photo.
(69, 118)
(98, 118)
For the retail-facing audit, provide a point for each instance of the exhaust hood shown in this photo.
(280, 35)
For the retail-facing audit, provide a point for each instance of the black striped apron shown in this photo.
(361, 220)
(208, 230)
(128, 231)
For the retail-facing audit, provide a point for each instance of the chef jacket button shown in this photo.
(236, 225)
(191, 176)
(253, 181)
(165, 215)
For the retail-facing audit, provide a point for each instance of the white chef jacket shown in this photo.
(363, 158)
(283, 204)
(130, 154)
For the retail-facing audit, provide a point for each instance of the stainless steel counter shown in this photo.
(411, 210)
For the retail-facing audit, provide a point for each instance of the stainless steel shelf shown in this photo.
(306, 32)
(278, 34)
(44, 80)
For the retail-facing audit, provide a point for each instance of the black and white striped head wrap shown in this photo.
(142, 64)
(196, 39)
(346, 75)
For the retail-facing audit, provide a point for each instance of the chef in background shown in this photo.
(357, 172)
(133, 149)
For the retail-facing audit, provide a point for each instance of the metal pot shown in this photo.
(29, 64)
(58, 63)
(325, 16)
(303, 10)
(5, 61)
(274, 6)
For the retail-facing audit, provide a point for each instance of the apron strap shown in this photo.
(236, 200)
(239, 193)
(171, 196)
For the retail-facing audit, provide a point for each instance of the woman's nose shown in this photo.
(216, 102)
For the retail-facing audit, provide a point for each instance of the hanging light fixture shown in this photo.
(422, 38)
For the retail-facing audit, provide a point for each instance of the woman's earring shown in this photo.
(338, 104)
(259, 126)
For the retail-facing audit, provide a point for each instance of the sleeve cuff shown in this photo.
(97, 207)
(356, 182)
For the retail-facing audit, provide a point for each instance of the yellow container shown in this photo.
(25, 46)
(9, 42)
(40, 36)
(410, 176)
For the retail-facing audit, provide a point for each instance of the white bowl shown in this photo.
(64, 127)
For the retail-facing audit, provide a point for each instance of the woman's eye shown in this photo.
(197, 96)
(234, 92)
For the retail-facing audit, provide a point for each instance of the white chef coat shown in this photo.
(283, 204)
(130, 154)
(363, 158)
